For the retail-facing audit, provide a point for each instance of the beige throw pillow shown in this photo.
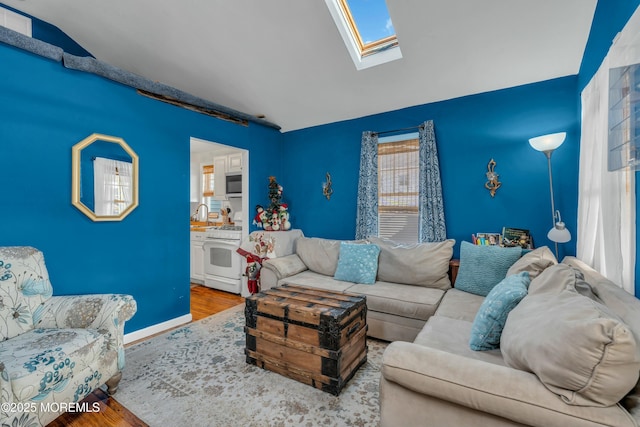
(559, 277)
(575, 345)
(319, 255)
(534, 262)
(421, 264)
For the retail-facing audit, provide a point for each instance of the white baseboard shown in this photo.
(157, 328)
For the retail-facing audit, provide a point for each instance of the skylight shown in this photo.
(367, 31)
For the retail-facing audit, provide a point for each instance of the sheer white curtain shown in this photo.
(111, 186)
(606, 200)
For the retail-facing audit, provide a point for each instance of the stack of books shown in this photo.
(484, 239)
(510, 237)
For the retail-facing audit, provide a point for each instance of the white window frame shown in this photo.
(396, 138)
(362, 60)
(15, 21)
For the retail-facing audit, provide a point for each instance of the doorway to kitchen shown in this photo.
(219, 189)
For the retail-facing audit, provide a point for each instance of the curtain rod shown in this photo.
(398, 130)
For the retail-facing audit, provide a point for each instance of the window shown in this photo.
(624, 113)
(207, 181)
(15, 22)
(367, 31)
(112, 186)
(398, 188)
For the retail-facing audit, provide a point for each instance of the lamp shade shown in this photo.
(559, 233)
(548, 142)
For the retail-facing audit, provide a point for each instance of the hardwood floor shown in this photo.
(204, 302)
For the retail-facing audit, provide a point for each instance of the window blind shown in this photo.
(398, 174)
(207, 180)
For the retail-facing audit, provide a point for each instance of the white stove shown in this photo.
(222, 264)
(229, 232)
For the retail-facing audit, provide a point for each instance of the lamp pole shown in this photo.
(553, 207)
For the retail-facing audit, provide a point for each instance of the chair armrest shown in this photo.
(275, 269)
(104, 312)
(499, 390)
(6, 392)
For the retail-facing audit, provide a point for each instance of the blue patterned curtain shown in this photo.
(367, 207)
(431, 217)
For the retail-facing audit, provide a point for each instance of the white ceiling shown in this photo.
(286, 60)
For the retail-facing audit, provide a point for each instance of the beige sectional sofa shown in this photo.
(557, 365)
(407, 290)
(437, 380)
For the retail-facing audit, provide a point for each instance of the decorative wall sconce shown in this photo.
(492, 183)
(327, 190)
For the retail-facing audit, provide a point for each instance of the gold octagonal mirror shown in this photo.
(104, 177)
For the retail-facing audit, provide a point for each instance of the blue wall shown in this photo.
(44, 110)
(470, 131)
(610, 18)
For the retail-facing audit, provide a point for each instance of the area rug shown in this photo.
(197, 375)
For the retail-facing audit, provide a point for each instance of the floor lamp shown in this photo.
(547, 144)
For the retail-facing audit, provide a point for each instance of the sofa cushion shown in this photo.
(284, 266)
(44, 360)
(578, 348)
(311, 279)
(534, 262)
(357, 262)
(452, 336)
(422, 264)
(483, 267)
(559, 277)
(492, 315)
(319, 255)
(457, 304)
(400, 300)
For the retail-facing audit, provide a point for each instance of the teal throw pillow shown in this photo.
(358, 263)
(483, 267)
(492, 315)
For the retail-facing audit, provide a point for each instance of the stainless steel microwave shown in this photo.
(234, 184)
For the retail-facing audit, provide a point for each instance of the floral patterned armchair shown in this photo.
(54, 350)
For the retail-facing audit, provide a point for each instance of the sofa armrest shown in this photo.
(499, 390)
(103, 312)
(275, 269)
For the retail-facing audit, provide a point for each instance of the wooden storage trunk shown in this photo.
(311, 335)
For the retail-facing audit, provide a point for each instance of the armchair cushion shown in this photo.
(102, 312)
(24, 286)
(43, 360)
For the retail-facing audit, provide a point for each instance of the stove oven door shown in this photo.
(221, 258)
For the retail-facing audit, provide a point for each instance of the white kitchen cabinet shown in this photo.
(234, 162)
(197, 257)
(220, 179)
